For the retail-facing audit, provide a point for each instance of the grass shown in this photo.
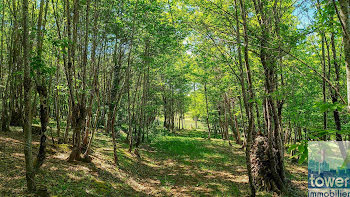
(189, 123)
(184, 164)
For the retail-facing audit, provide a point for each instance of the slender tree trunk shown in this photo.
(233, 121)
(324, 74)
(78, 108)
(248, 106)
(57, 104)
(27, 126)
(114, 143)
(334, 95)
(42, 89)
(207, 108)
(345, 23)
(68, 122)
(344, 19)
(95, 69)
(2, 64)
(87, 151)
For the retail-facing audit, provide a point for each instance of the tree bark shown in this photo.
(27, 126)
(268, 61)
(344, 19)
(42, 89)
(95, 69)
(248, 106)
(324, 73)
(207, 108)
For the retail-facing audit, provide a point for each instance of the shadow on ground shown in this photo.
(182, 165)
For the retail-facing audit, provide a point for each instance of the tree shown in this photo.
(27, 126)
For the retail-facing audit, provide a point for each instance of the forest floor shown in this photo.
(181, 165)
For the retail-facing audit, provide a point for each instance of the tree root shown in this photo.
(75, 155)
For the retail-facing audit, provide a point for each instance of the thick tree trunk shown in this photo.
(78, 120)
(78, 108)
(273, 128)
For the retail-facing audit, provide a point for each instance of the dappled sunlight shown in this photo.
(10, 140)
(206, 168)
(18, 155)
(74, 177)
(240, 169)
(297, 169)
(240, 179)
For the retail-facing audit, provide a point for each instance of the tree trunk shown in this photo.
(334, 95)
(248, 106)
(207, 108)
(57, 104)
(27, 126)
(323, 61)
(42, 90)
(78, 108)
(345, 22)
(274, 139)
(233, 121)
(68, 122)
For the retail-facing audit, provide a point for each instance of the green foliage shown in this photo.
(301, 151)
(38, 64)
(197, 106)
(328, 107)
